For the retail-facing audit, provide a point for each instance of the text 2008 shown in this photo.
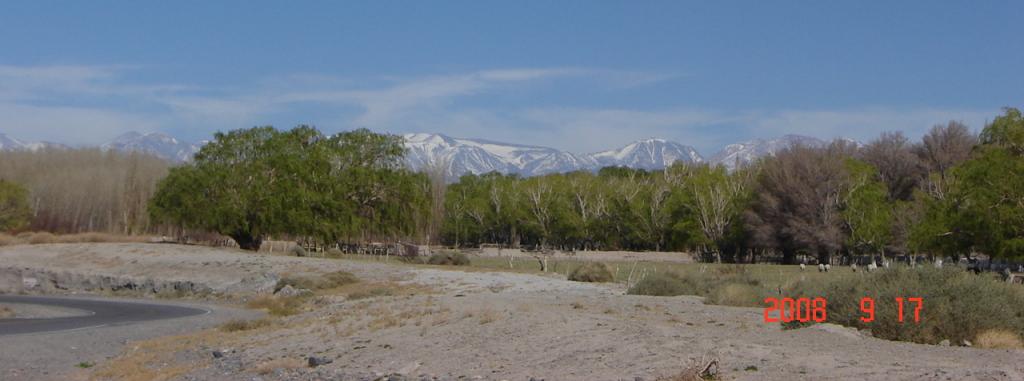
(806, 310)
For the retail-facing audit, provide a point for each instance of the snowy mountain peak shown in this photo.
(154, 143)
(648, 154)
(740, 154)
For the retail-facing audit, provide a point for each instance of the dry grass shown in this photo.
(277, 305)
(998, 339)
(6, 312)
(39, 238)
(156, 360)
(244, 325)
(318, 282)
(268, 367)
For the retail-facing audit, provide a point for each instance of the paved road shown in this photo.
(103, 313)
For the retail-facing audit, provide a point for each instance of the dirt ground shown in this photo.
(437, 323)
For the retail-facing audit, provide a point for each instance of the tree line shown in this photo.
(953, 193)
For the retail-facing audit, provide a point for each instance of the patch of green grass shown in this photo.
(85, 365)
(371, 293)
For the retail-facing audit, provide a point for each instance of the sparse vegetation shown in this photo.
(317, 282)
(591, 272)
(371, 293)
(297, 251)
(448, 258)
(277, 305)
(244, 325)
(6, 312)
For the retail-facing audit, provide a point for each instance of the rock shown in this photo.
(944, 343)
(218, 354)
(642, 379)
(318, 361)
(967, 343)
(396, 377)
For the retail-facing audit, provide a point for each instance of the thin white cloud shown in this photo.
(44, 103)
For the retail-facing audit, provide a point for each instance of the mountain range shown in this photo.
(459, 156)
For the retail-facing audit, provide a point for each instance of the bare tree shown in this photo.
(437, 173)
(897, 165)
(798, 198)
(78, 190)
(944, 147)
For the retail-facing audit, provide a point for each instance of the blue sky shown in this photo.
(580, 76)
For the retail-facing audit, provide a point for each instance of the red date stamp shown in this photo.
(805, 310)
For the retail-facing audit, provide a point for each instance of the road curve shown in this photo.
(103, 313)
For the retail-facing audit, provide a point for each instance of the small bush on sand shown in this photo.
(449, 258)
(244, 325)
(591, 272)
(6, 312)
(297, 251)
(335, 253)
(958, 305)
(317, 282)
(998, 339)
(277, 305)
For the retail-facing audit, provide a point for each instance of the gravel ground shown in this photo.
(500, 326)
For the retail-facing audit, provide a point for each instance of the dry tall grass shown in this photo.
(999, 339)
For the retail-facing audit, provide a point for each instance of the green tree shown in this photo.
(251, 183)
(867, 210)
(15, 212)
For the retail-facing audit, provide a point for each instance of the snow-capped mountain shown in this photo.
(154, 143)
(12, 144)
(648, 154)
(460, 156)
(740, 154)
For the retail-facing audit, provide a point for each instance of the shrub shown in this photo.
(317, 282)
(998, 339)
(6, 312)
(591, 272)
(449, 258)
(244, 325)
(958, 305)
(297, 251)
(277, 306)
